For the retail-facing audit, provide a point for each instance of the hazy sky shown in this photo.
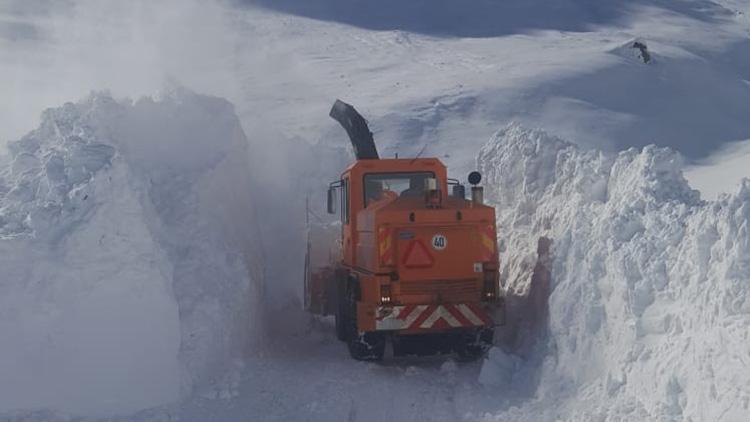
(52, 52)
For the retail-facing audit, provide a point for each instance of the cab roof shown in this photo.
(397, 165)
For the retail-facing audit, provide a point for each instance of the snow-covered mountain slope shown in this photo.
(124, 281)
(714, 175)
(649, 295)
(569, 68)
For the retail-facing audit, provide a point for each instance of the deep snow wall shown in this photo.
(131, 262)
(649, 299)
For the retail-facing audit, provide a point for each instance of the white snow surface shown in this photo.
(123, 285)
(721, 172)
(649, 295)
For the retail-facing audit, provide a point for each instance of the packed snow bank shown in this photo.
(649, 304)
(129, 256)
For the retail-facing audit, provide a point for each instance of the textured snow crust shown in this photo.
(130, 261)
(649, 289)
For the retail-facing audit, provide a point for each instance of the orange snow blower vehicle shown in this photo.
(411, 260)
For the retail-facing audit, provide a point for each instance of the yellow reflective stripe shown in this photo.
(488, 243)
(385, 245)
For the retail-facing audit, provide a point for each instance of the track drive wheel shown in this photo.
(367, 346)
(474, 344)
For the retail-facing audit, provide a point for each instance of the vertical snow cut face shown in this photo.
(129, 254)
(649, 296)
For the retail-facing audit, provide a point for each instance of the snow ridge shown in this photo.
(649, 305)
(130, 256)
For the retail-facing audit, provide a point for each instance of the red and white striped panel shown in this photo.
(425, 317)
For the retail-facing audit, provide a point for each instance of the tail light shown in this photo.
(489, 291)
(385, 294)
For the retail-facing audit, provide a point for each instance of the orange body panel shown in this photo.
(434, 258)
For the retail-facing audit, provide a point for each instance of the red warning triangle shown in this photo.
(417, 256)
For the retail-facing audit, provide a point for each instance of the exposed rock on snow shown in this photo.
(642, 53)
(649, 311)
(130, 262)
(635, 49)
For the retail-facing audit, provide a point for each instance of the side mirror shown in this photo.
(331, 200)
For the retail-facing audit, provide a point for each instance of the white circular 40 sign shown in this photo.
(439, 242)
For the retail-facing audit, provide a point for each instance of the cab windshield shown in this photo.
(383, 185)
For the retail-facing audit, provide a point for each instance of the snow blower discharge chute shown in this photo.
(410, 259)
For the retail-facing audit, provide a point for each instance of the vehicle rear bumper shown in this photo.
(434, 317)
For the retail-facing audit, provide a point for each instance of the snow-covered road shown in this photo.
(310, 376)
